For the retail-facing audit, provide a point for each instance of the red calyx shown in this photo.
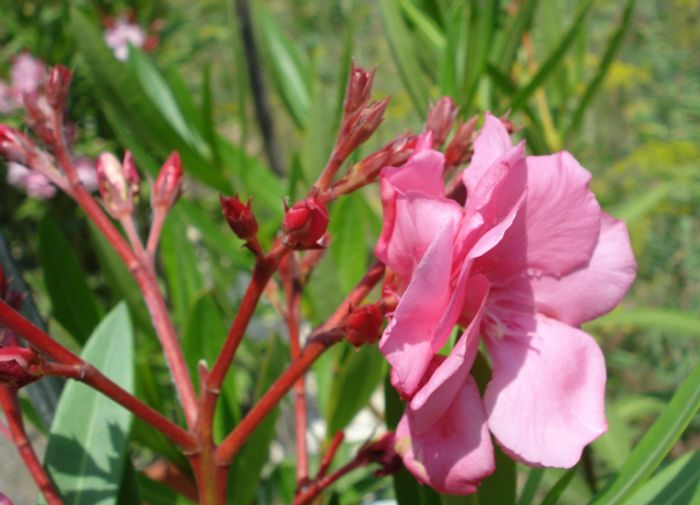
(305, 223)
(18, 366)
(364, 325)
(239, 216)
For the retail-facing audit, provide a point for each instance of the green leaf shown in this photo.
(130, 110)
(179, 259)
(554, 60)
(676, 484)
(656, 442)
(289, 70)
(481, 33)
(671, 320)
(534, 477)
(403, 51)
(43, 394)
(73, 303)
(88, 439)
(640, 205)
(358, 377)
(553, 495)
(248, 464)
(428, 31)
(511, 37)
(501, 486)
(603, 68)
(203, 338)
(348, 230)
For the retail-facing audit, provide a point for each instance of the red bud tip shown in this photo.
(14, 146)
(393, 154)
(364, 324)
(131, 173)
(459, 149)
(440, 119)
(239, 216)
(168, 184)
(18, 366)
(305, 223)
(359, 88)
(58, 85)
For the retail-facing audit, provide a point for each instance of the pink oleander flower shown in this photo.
(121, 34)
(28, 75)
(38, 186)
(527, 260)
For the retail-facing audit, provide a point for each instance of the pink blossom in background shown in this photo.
(28, 74)
(526, 260)
(7, 104)
(38, 186)
(87, 173)
(121, 34)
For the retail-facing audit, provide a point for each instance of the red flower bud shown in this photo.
(364, 324)
(459, 149)
(239, 216)
(168, 184)
(393, 154)
(14, 145)
(131, 174)
(364, 124)
(57, 86)
(383, 453)
(359, 88)
(305, 223)
(116, 191)
(18, 366)
(440, 119)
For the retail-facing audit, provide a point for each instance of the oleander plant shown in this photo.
(239, 264)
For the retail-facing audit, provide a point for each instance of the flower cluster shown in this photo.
(520, 266)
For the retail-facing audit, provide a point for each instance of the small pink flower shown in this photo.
(33, 183)
(121, 34)
(87, 173)
(28, 75)
(526, 260)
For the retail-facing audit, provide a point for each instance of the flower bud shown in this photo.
(305, 223)
(14, 145)
(383, 452)
(393, 154)
(239, 216)
(459, 149)
(168, 184)
(18, 366)
(57, 86)
(359, 88)
(440, 120)
(363, 325)
(114, 187)
(131, 173)
(365, 123)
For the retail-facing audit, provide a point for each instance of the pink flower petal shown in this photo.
(407, 340)
(596, 288)
(556, 230)
(545, 401)
(493, 141)
(431, 400)
(455, 454)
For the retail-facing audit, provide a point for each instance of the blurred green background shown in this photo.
(615, 83)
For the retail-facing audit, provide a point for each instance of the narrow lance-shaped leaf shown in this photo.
(609, 56)
(73, 303)
(88, 439)
(553, 60)
(656, 442)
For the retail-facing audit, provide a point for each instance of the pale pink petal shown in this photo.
(455, 454)
(121, 34)
(87, 173)
(433, 398)
(557, 228)
(407, 340)
(596, 288)
(418, 219)
(7, 103)
(545, 401)
(39, 187)
(27, 75)
(493, 141)
(17, 174)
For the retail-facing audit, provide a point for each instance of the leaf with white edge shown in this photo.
(89, 436)
(676, 484)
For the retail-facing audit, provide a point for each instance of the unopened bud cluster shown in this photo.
(305, 223)
(364, 325)
(239, 216)
(119, 184)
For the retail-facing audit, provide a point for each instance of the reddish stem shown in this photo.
(74, 367)
(13, 414)
(172, 477)
(315, 488)
(329, 456)
(313, 349)
(142, 272)
(325, 336)
(292, 290)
